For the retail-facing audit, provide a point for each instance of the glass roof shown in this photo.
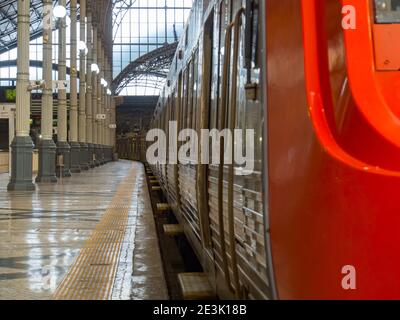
(140, 26)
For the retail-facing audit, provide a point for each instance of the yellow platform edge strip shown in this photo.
(92, 274)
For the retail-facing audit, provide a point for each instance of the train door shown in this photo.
(178, 105)
(187, 172)
(167, 116)
(163, 127)
(172, 140)
(238, 210)
(246, 215)
(158, 126)
(183, 125)
(215, 181)
(204, 123)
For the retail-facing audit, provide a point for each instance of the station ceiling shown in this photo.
(8, 20)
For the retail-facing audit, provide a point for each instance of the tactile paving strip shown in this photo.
(92, 275)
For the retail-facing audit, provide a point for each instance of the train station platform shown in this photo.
(88, 237)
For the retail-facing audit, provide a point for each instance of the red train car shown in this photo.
(333, 147)
(318, 81)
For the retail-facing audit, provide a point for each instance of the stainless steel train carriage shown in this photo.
(318, 82)
(215, 83)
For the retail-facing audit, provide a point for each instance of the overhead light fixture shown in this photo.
(103, 82)
(109, 92)
(59, 11)
(95, 68)
(81, 45)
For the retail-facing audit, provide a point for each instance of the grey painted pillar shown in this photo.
(102, 90)
(84, 160)
(94, 99)
(114, 115)
(89, 89)
(103, 108)
(47, 147)
(109, 138)
(63, 148)
(106, 111)
(99, 98)
(108, 135)
(75, 145)
(108, 123)
(22, 146)
(114, 122)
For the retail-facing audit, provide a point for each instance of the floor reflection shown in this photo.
(42, 232)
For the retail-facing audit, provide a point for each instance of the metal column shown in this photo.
(75, 145)
(63, 148)
(89, 90)
(94, 99)
(84, 156)
(47, 147)
(21, 177)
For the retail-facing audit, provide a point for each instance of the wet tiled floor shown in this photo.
(42, 232)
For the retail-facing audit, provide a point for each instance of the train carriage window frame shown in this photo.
(185, 97)
(196, 91)
(189, 106)
(216, 76)
(387, 11)
(180, 100)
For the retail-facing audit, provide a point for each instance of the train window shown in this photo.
(167, 115)
(195, 117)
(179, 102)
(251, 36)
(173, 106)
(185, 97)
(216, 85)
(180, 99)
(208, 62)
(387, 11)
(386, 32)
(190, 95)
(187, 37)
(225, 13)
